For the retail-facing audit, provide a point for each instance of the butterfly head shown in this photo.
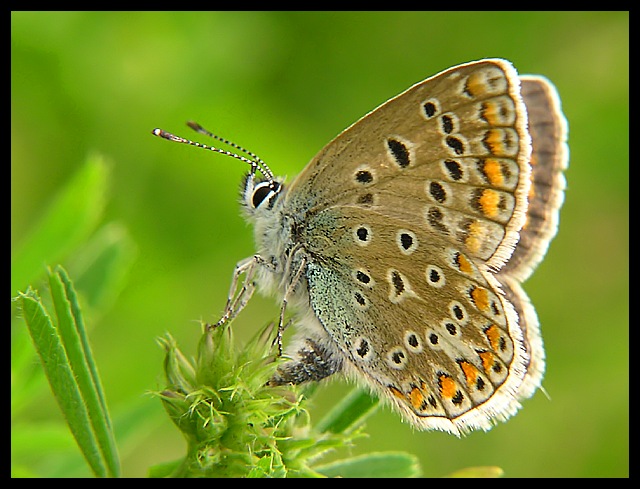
(258, 193)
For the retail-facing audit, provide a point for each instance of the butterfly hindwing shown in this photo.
(416, 317)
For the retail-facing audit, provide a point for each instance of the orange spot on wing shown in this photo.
(493, 335)
(447, 386)
(497, 141)
(396, 392)
(489, 201)
(416, 397)
(464, 265)
(488, 360)
(493, 139)
(475, 85)
(470, 372)
(480, 297)
(474, 239)
(493, 170)
(491, 113)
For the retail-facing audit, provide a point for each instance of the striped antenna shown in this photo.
(254, 160)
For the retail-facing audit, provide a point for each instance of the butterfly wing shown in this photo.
(458, 156)
(549, 160)
(408, 215)
(428, 328)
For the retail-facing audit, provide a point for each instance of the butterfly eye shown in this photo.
(263, 192)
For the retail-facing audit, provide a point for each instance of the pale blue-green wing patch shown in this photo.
(453, 148)
(413, 314)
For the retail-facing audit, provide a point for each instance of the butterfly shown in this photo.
(403, 244)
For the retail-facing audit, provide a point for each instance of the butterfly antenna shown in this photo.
(263, 167)
(254, 161)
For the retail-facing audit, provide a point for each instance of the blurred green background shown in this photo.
(284, 84)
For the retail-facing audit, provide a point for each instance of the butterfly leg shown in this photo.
(288, 293)
(237, 300)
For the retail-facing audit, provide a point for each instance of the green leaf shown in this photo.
(59, 373)
(67, 361)
(70, 218)
(76, 342)
(348, 414)
(378, 465)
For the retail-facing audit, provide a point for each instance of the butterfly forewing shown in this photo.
(456, 159)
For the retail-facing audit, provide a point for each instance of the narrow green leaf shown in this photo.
(348, 414)
(70, 218)
(374, 465)
(27, 377)
(59, 373)
(68, 363)
(72, 340)
(86, 372)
